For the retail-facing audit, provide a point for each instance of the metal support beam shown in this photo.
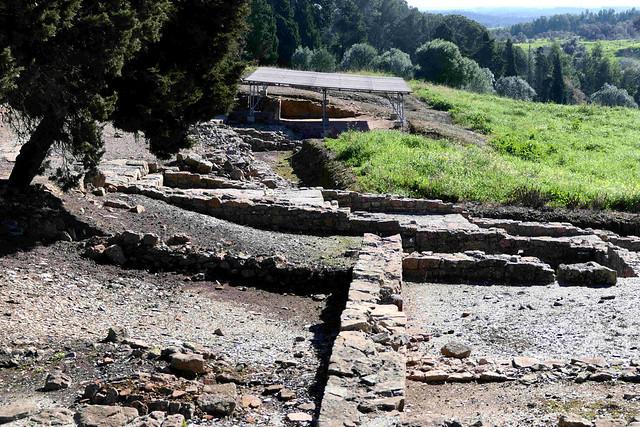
(256, 93)
(325, 115)
(397, 103)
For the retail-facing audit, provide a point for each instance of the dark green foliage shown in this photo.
(558, 92)
(154, 66)
(308, 24)
(262, 41)
(189, 75)
(359, 57)
(348, 26)
(487, 56)
(287, 30)
(395, 62)
(542, 75)
(323, 61)
(611, 96)
(440, 62)
(509, 60)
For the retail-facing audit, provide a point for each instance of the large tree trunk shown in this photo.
(33, 153)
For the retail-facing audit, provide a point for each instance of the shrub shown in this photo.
(515, 88)
(322, 60)
(477, 79)
(396, 62)
(301, 58)
(359, 57)
(611, 96)
(441, 62)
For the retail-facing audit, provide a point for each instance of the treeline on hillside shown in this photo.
(390, 36)
(602, 25)
(279, 27)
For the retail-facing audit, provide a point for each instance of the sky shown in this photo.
(473, 4)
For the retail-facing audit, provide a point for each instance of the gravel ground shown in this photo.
(56, 301)
(211, 233)
(543, 322)
(510, 404)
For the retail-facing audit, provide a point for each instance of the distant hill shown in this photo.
(507, 17)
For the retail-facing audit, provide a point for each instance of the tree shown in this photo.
(396, 62)
(151, 66)
(443, 32)
(323, 61)
(510, 68)
(301, 58)
(440, 61)
(477, 79)
(287, 30)
(486, 55)
(262, 41)
(558, 93)
(348, 26)
(542, 75)
(307, 20)
(516, 88)
(611, 96)
(359, 57)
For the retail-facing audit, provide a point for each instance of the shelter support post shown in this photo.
(397, 103)
(325, 115)
(256, 93)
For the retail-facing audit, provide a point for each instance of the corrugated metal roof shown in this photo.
(332, 81)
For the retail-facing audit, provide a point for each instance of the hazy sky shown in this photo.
(472, 4)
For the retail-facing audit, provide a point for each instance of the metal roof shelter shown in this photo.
(393, 88)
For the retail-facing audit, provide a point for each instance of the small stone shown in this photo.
(178, 239)
(219, 401)
(309, 406)
(250, 401)
(218, 332)
(285, 395)
(116, 335)
(573, 421)
(118, 204)
(150, 240)
(16, 411)
(456, 350)
(299, 417)
(136, 344)
(115, 254)
(137, 209)
(104, 416)
(190, 363)
(272, 389)
(524, 362)
(100, 192)
(52, 417)
(56, 381)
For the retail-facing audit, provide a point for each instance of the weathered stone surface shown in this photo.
(587, 274)
(524, 362)
(56, 381)
(456, 350)
(219, 401)
(299, 417)
(573, 421)
(104, 416)
(190, 363)
(115, 254)
(16, 411)
(53, 417)
(477, 267)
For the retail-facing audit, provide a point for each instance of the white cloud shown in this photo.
(471, 4)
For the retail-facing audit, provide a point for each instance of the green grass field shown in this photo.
(537, 154)
(610, 47)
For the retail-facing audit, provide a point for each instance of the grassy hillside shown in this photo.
(610, 47)
(575, 156)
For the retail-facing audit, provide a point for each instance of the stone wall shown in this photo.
(531, 228)
(389, 204)
(367, 369)
(131, 249)
(477, 268)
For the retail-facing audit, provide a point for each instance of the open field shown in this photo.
(574, 156)
(610, 47)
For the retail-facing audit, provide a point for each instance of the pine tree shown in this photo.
(307, 19)
(262, 41)
(510, 68)
(558, 92)
(157, 65)
(485, 57)
(287, 30)
(542, 75)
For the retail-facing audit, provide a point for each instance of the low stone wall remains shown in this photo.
(388, 203)
(131, 249)
(530, 228)
(367, 369)
(476, 267)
